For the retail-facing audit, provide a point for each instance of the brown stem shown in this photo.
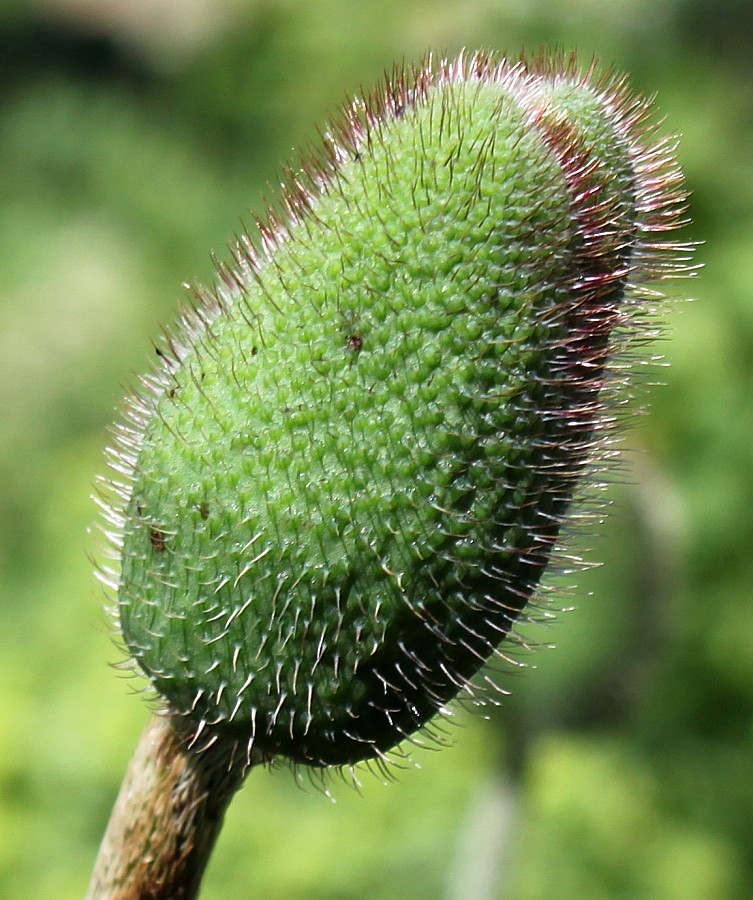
(167, 816)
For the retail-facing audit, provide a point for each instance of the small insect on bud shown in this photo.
(351, 466)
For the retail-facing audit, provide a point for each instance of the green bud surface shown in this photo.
(343, 483)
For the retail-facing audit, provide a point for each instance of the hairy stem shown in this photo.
(167, 816)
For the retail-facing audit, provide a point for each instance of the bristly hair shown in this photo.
(605, 313)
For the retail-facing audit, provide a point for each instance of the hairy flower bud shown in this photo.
(342, 485)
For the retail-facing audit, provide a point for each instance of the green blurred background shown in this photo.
(135, 136)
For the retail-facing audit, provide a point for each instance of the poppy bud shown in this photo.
(350, 469)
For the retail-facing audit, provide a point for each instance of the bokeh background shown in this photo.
(135, 136)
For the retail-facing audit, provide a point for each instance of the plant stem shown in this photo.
(167, 816)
